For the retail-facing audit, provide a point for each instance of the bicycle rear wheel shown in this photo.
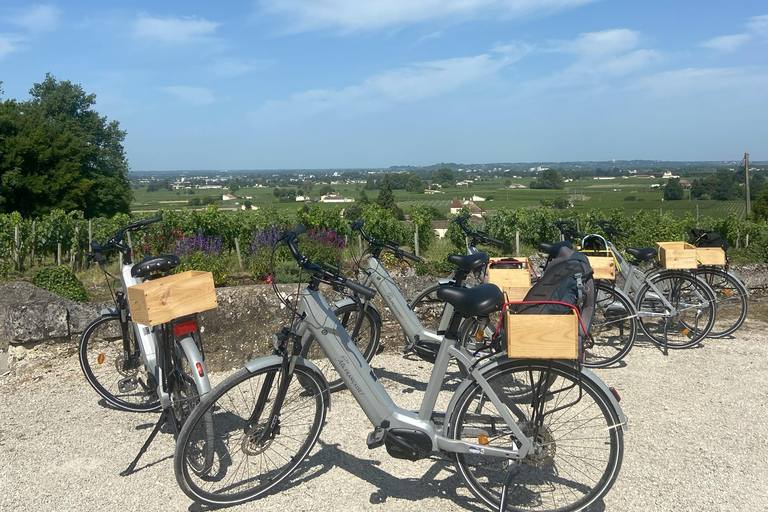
(613, 329)
(732, 300)
(675, 309)
(428, 309)
(246, 464)
(122, 382)
(574, 425)
(366, 339)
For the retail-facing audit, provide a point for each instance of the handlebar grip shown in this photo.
(462, 218)
(494, 241)
(622, 234)
(408, 255)
(366, 292)
(141, 223)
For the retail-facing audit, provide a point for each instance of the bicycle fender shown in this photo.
(264, 362)
(193, 356)
(586, 374)
(347, 302)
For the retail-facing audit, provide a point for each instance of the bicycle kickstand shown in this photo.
(160, 422)
(512, 471)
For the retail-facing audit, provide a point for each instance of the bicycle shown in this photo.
(137, 368)
(675, 309)
(434, 313)
(732, 295)
(502, 428)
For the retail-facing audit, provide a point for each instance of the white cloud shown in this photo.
(759, 25)
(606, 53)
(37, 18)
(7, 45)
(174, 30)
(350, 15)
(726, 43)
(403, 85)
(196, 96)
(690, 80)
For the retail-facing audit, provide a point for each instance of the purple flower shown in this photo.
(199, 243)
(264, 237)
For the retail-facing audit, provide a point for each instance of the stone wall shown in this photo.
(35, 323)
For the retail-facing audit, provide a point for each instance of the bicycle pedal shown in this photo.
(127, 384)
(376, 438)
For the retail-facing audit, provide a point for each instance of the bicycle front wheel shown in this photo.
(120, 379)
(732, 300)
(613, 328)
(366, 339)
(246, 463)
(675, 309)
(576, 429)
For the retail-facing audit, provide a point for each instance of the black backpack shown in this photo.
(705, 238)
(566, 278)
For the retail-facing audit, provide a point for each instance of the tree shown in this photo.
(760, 205)
(443, 176)
(674, 190)
(386, 199)
(549, 179)
(561, 203)
(57, 152)
(327, 189)
(234, 186)
(414, 184)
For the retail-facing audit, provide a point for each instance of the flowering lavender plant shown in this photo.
(199, 243)
(265, 237)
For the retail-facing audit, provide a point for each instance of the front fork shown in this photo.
(263, 432)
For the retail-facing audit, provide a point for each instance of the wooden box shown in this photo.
(510, 277)
(161, 300)
(542, 336)
(710, 255)
(677, 255)
(515, 293)
(603, 267)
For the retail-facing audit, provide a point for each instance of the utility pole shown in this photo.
(746, 180)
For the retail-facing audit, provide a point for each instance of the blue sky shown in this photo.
(290, 84)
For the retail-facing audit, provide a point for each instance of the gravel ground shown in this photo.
(696, 442)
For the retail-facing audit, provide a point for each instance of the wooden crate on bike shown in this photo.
(710, 255)
(542, 336)
(677, 255)
(161, 300)
(514, 281)
(603, 264)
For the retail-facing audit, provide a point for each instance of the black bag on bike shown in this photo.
(705, 238)
(567, 278)
(507, 264)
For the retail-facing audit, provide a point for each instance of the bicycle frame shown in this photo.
(317, 317)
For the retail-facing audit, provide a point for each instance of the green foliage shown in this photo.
(382, 225)
(212, 263)
(414, 184)
(61, 281)
(444, 177)
(561, 203)
(58, 153)
(386, 199)
(673, 191)
(549, 179)
(421, 220)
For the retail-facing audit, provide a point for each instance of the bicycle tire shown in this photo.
(587, 433)
(693, 300)
(732, 300)
(614, 327)
(366, 340)
(242, 470)
(101, 356)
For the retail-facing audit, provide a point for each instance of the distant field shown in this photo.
(588, 194)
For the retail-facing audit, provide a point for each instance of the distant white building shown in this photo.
(668, 174)
(334, 198)
(228, 197)
(477, 198)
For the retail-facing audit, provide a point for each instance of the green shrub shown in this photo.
(213, 263)
(61, 281)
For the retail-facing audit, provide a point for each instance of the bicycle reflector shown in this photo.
(200, 371)
(101, 358)
(185, 328)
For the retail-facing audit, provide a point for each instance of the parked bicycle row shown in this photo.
(530, 427)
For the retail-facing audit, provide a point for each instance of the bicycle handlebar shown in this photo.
(476, 236)
(358, 226)
(330, 277)
(566, 228)
(607, 227)
(115, 241)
